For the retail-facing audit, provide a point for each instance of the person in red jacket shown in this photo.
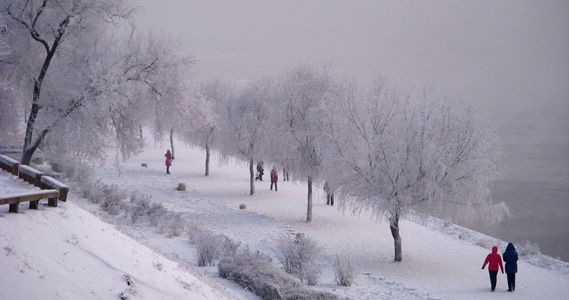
(169, 159)
(493, 260)
(274, 178)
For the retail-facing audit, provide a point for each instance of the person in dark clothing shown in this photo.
(285, 172)
(493, 260)
(329, 194)
(510, 257)
(260, 171)
(169, 159)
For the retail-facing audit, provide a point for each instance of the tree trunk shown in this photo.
(394, 225)
(252, 177)
(206, 159)
(29, 146)
(27, 156)
(172, 141)
(309, 208)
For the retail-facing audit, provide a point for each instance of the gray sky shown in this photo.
(492, 51)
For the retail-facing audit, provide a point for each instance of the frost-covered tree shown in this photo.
(304, 93)
(175, 104)
(214, 94)
(243, 124)
(401, 154)
(46, 25)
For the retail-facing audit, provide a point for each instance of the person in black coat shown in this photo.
(510, 257)
(260, 171)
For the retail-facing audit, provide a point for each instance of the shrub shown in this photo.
(208, 249)
(93, 191)
(297, 257)
(529, 249)
(139, 206)
(311, 273)
(194, 231)
(228, 246)
(255, 272)
(486, 243)
(171, 224)
(156, 213)
(112, 199)
(345, 270)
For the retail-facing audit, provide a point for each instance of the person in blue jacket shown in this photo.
(510, 257)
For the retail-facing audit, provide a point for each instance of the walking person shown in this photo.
(169, 159)
(493, 260)
(274, 178)
(511, 259)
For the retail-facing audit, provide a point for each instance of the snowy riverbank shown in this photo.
(70, 253)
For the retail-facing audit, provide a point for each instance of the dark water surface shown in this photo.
(535, 183)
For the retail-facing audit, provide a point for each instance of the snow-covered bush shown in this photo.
(139, 205)
(311, 272)
(486, 243)
(156, 213)
(345, 270)
(208, 248)
(112, 199)
(297, 257)
(256, 272)
(92, 191)
(528, 249)
(228, 246)
(171, 224)
(194, 231)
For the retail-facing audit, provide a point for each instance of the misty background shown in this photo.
(511, 57)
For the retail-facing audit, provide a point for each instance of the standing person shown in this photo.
(511, 259)
(169, 159)
(329, 194)
(494, 261)
(285, 173)
(260, 171)
(274, 178)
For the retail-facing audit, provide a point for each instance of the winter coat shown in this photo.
(274, 175)
(168, 159)
(511, 259)
(494, 259)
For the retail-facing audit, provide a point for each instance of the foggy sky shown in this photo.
(493, 51)
(510, 56)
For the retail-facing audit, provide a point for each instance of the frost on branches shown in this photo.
(401, 153)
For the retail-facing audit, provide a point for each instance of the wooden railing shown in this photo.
(9, 164)
(52, 189)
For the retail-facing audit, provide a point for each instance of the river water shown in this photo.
(535, 184)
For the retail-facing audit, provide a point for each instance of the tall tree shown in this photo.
(50, 24)
(213, 93)
(243, 124)
(401, 154)
(302, 99)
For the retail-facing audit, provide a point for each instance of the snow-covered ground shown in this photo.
(69, 253)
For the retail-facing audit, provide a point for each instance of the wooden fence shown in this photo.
(52, 189)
